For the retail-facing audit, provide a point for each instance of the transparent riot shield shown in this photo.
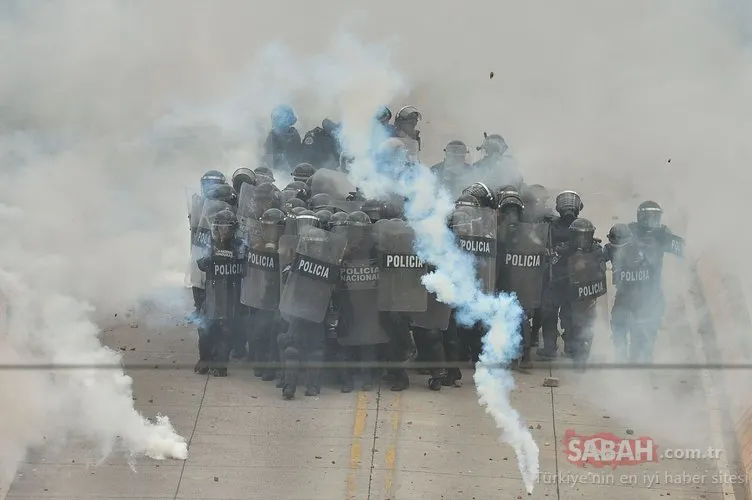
(400, 288)
(314, 272)
(587, 276)
(479, 239)
(201, 244)
(261, 283)
(523, 266)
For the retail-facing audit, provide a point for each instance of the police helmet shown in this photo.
(283, 117)
(384, 115)
(291, 203)
(569, 201)
(407, 114)
(619, 235)
(338, 219)
(223, 225)
(467, 200)
(301, 189)
(581, 233)
(295, 211)
(241, 176)
(649, 214)
(511, 201)
(264, 170)
(303, 171)
(358, 218)
(375, 209)
(306, 219)
(319, 201)
(211, 179)
(223, 192)
(493, 144)
(481, 192)
(325, 217)
(537, 193)
(456, 149)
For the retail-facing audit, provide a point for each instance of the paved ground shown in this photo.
(246, 442)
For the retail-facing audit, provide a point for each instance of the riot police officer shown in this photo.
(302, 172)
(243, 176)
(555, 304)
(282, 146)
(224, 269)
(405, 125)
(654, 240)
(586, 270)
(321, 146)
(497, 167)
(454, 170)
(383, 129)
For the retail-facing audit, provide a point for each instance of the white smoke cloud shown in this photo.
(110, 109)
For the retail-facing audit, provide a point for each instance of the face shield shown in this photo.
(649, 218)
(581, 240)
(223, 233)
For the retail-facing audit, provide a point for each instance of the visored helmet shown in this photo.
(325, 217)
(493, 144)
(243, 176)
(272, 225)
(408, 114)
(283, 117)
(293, 203)
(649, 214)
(375, 209)
(456, 150)
(223, 192)
(569, 202)
(467, 200)
(581, 233)
(210, 179)
(481, 192)
(384, 115)
(303, 171)
(264, 170)
(619, 235)
(223, 226)
(320, 201)
(338, 219)
(301, 188)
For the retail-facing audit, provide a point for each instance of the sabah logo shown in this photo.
(308, 141)
(607, 449)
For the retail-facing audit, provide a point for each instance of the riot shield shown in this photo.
(357, 294)
(479, 238)
(400, 288)
(197, 207)
(587, 276)
(245, 204)
(436, 315)
(523, 266)
(201, 244)
(260, 286)
(673, 244)
(314, 272)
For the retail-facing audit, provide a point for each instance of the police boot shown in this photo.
(282, 341)
(368, 354)
(204, 355)
(400, 380)
(313, 380)
(218, 366)
(346, 372)
(292, 368)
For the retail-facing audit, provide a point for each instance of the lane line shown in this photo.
(391, 452)
(361, 414)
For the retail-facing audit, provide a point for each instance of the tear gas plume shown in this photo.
(110, 108)
(428, 207)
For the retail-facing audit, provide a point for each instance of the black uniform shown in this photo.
(320, 146)
(283, 148)
(224, 269)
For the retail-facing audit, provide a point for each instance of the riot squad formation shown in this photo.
(295, 279)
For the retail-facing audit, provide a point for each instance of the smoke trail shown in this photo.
(427, 209)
